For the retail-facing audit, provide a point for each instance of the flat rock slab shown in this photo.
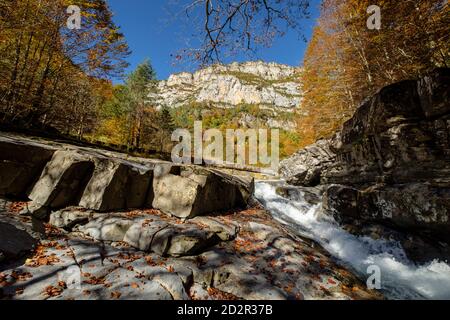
(155, 233)
(262, 260)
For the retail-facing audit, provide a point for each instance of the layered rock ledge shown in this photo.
(55, 176)
(390, 163)
(144, 254)
(80, 223)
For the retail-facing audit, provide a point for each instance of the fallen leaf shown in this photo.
(52, 291)
(20, 291)
(217, 294)
(331, 281)
(21, 276)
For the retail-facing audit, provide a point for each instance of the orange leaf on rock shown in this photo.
(52, 291)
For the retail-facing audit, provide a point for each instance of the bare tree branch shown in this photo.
(236, 26)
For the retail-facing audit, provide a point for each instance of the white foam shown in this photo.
(400, 278)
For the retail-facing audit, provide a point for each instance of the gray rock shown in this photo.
(69, 218)
(190, 240)
(21, 163)
(225, 231)
(104, 191)
(173, 284)
(391, 160)
(309, 195)
(62, 181)
(141, 234)
(193, 192)
(15, 242)
(306, 166)
(107, 228)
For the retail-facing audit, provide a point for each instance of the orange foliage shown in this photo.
(346, 62)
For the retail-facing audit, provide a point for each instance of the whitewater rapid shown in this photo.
(400, 278)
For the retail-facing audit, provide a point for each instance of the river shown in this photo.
(400, 277)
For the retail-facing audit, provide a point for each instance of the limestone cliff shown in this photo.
(270, 86)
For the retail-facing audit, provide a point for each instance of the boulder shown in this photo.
(390, 162)
(188, 241)
(225, 231)
(341, 202)
(69, 218)
(434, 93)
(21, 163)
(305, 166)
(416, 207)
(14, 242)
(151, 233)
(141, 234)
(61, 182)
(188, 192)
(309, 195)
(104, 191)
(182, 240)
(117, 185)
(107, 228)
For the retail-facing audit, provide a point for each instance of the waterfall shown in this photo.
(400, 277)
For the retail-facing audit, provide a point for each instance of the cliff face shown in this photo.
(390, 163)
(270, 86)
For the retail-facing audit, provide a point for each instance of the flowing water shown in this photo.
(400, 278)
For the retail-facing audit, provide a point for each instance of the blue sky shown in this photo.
(152, 32)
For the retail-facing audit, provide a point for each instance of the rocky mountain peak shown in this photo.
(268, 85)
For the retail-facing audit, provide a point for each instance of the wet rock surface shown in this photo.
(251, 257)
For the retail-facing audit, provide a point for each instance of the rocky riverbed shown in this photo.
(144, 254)
(383, 180)
(91, 224)
(83, 223)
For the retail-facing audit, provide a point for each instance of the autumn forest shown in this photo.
(58, 80)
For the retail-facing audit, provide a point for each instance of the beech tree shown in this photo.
(44, 64)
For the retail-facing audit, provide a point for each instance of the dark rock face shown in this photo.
(20, 166)
(390, 163)
(14, 242)
(306, 166)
